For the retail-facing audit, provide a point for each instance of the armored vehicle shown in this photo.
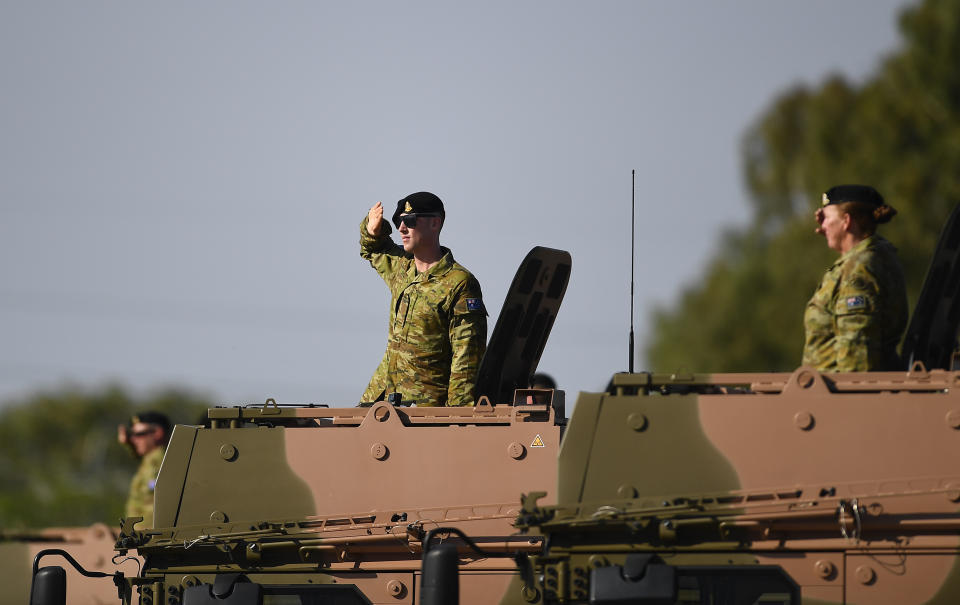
(797, 487)
(277, 504)
(756, 488)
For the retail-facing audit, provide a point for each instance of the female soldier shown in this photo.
(858, 314)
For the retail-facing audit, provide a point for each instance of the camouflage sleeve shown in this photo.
(382, 252)
(468, 341)
(858, 338)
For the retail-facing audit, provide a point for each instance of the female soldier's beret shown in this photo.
(852, 193)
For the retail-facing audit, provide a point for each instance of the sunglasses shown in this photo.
(410, 220)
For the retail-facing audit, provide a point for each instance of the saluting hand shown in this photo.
(373, 219)
(819, 216)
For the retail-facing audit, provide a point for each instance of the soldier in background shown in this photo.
(438, 324)
(147, 437)
(858, 314)
(541, 380)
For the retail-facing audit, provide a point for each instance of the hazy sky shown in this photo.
(182, 183)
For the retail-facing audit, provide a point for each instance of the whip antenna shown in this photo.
(633, 190)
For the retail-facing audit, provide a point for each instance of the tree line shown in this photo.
(60, 462)
(899, 131)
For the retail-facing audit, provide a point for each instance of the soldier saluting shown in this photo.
(146, 437)
(858, 313)
(438, 323)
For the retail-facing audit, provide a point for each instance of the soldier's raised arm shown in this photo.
(375, 243)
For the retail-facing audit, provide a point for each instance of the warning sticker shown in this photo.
(537, 442)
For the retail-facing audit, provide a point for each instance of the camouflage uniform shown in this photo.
(858, 314)
(438, 326)
(140, 498)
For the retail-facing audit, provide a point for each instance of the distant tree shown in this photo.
(60, 463)
(899, 131)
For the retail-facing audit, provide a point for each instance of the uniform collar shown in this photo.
(868, 242)
(442, 267)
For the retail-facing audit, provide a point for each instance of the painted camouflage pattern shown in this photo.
(858, 313)
(737, 470)
(846, 481)
(338, 497)
(438, 326)
(140, 497)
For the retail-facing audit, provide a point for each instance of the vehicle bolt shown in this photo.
(637, 422)
(953, 419)
(516, 450)
(172, 590)
(218, 516)
(824, 568)
(552, 571)
(228, 452)
(530, 594)
(146, 590)
(626, 491)
(379, 451)
(598, 561)
(866, 575)
(953, 492)
(396, 588)
(803, 420)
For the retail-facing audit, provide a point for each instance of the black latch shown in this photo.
(643, 578)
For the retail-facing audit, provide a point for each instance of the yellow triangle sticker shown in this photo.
(538, 442)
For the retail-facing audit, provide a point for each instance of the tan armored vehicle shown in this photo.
(757, 488)
(277, 504)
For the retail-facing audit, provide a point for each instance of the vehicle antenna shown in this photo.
(633, 189)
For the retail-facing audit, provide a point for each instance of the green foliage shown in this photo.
(60, 462)
(899, 131)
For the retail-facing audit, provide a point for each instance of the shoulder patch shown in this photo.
(474, 304)
(856, 302)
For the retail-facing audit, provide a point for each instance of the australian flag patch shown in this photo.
(856, 302)
(474, 304)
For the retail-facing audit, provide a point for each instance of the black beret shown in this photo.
(422, 202)
(852, 193)
(152, 418)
